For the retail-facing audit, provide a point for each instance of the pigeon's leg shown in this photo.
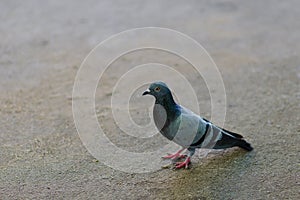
(175, 155)
(187, 161)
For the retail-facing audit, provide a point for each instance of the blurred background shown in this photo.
(255, 45)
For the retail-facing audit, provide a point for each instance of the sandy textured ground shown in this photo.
(255, 45)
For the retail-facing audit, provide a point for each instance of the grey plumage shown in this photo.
(186, 128)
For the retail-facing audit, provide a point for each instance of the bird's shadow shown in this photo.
(213, 171)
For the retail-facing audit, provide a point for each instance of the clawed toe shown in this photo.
(169, 156)
(174, 156)
(185, 164)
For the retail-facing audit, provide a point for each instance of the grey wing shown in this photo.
(207, 134)
(191, 128)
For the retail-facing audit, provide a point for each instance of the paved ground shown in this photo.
(255, 45)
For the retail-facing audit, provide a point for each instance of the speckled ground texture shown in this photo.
(255, 45)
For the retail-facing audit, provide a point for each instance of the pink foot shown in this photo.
(184, 164)
(174, 156)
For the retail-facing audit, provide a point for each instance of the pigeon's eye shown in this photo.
(157, 89)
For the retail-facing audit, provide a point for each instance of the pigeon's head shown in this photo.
(158, 90)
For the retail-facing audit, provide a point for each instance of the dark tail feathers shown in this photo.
(231, 133)
(228, 141)
(226, 131)
(244, 145)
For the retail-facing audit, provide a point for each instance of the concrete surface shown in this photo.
(255, 45)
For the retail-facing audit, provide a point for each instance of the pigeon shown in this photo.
(188, 129)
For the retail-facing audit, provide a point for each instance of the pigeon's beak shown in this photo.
(146, 92)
